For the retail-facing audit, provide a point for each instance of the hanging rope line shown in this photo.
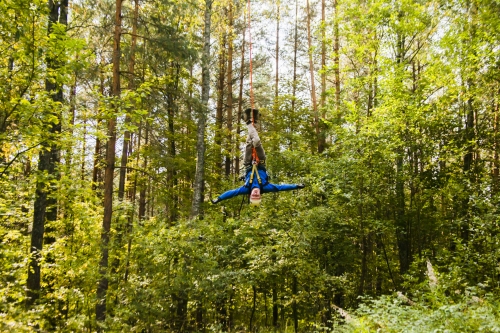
(255, 158)
(250, 59)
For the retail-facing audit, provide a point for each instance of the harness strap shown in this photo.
(255, 171)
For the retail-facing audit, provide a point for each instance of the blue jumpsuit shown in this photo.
(264, 188)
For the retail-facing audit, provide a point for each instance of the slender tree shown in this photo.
(202, 114)
(240, 94)
(321, 125)
(45, 210)
(336, 56)
(277, 52)
(229, 101)
(221, 84)
(311, 72)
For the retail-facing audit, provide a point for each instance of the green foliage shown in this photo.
(394, 187)
(435, 311)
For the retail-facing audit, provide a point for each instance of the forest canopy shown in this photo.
(121, 120)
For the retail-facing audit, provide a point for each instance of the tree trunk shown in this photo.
(401, 222)
(294, 81)
(240, 98)
(220, 102)
(45, 205)
(322, 127)
(295, 312)
(127, 134)
(202, 114)
(402, 233)
(84, 150)
(311, 70)
(131, 86)
(72, 112)
(275, 305)
(229, 101)
(136, 143)
(496, 145)
(254, 301)
(102, 286)
(336, 59)
(143, 185)
(276, 84)
(96, 172)
(171, 179)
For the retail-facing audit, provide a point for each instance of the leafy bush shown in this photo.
(436, 310)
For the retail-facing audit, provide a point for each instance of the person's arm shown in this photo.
(282, 187)
(232, 193)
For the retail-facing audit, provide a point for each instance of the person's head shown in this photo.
(255, 196)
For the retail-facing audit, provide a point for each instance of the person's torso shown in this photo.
(264, 179)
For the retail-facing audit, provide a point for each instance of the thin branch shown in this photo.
(19, 154)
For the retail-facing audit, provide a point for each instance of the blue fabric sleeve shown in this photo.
(232, 193)
(277, 188)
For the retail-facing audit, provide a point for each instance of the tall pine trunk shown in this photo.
(102, 287)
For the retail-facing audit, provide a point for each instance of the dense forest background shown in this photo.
(120, 120)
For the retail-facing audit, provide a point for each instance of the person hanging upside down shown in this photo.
(256, 177)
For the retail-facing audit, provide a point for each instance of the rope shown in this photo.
(250, 60)
(255, 158)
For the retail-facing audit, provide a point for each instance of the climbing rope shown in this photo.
(250, 59)
(255, 158)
